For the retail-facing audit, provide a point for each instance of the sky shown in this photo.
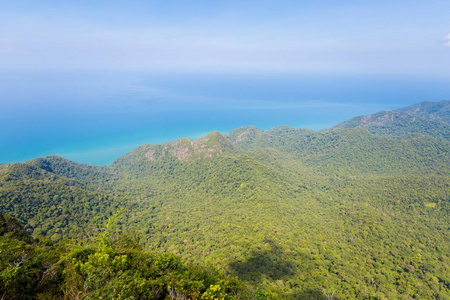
(330, 36)
(91, 80)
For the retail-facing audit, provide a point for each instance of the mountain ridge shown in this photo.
(439, 110)
(304, 214)
(425, 118)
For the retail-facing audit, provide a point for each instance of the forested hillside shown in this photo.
(360, 211)
(430, 110)
(425, 118)
(108, 267)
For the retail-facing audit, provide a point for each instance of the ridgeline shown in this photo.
(359, 211)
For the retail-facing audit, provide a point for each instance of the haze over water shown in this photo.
(91, 80)
(95, 117)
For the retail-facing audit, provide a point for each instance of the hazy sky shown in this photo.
(372, 37)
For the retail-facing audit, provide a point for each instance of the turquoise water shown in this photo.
(95, 117)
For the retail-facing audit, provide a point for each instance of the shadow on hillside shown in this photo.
(269, 262)
(272, 263)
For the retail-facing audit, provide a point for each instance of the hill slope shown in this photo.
(305, 214)
(53, 205)
(429, 110)
(425, 118)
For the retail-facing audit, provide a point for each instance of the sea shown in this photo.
(94, 117)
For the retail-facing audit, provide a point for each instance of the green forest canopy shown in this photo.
(356, 211)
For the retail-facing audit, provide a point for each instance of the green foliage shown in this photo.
(296, 214)
(52, 205)
(425, 118)
(109, 269)
(439, 110)
(26, 267)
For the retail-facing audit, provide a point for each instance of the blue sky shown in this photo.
(94, 79)
(370, 37)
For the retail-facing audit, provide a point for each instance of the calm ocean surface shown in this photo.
(95, 117)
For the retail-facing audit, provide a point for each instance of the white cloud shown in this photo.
(447, 40)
